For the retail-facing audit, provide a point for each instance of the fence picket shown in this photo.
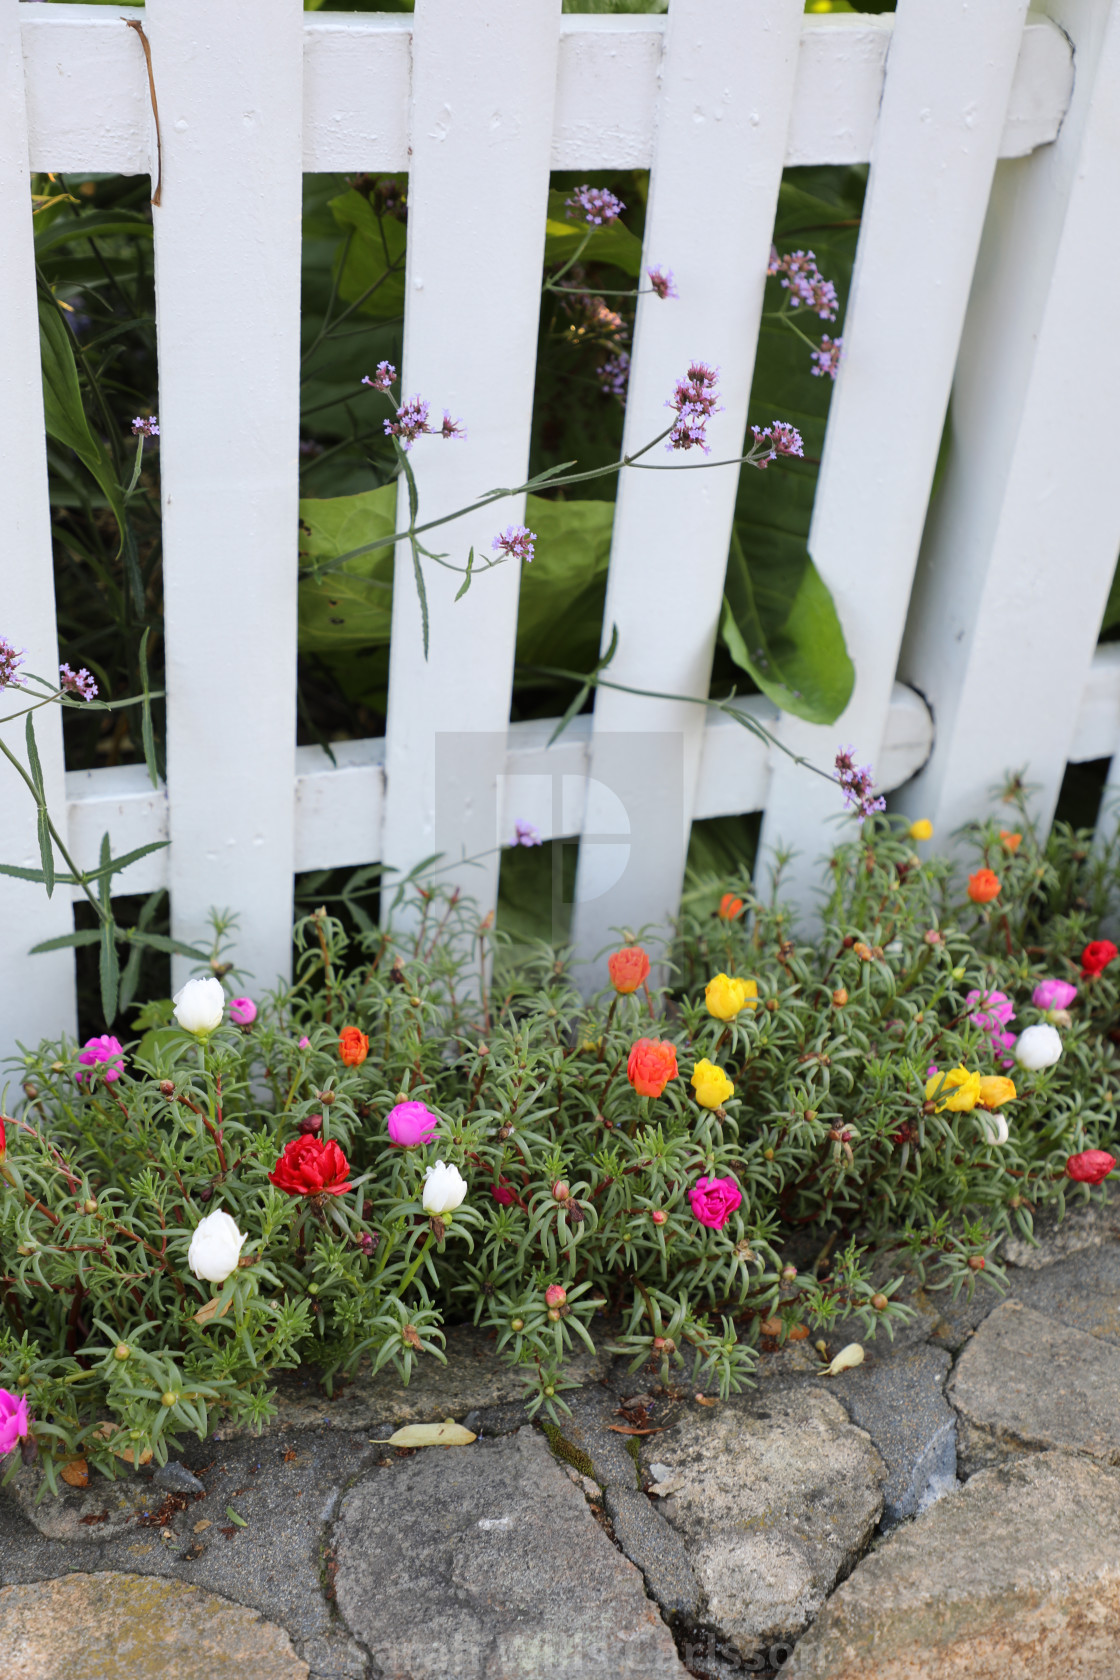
(484, 82)
(949, 75)
(1022, 546)
(726, 95)
(36, 994)
(227, 245)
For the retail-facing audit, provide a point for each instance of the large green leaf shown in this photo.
(780, 625)
(611, 244)
(62, 404)
(352, 608)
(375, 245)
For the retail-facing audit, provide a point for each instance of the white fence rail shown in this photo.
(993, 136)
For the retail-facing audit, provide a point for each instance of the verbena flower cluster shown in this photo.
(596, 205)
(11, 659)
(804, 282)
(332, 1175)
(694, 401)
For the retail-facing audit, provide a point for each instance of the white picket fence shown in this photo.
(988, 248)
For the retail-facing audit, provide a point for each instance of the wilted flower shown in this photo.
(1038, 1047)
(995, 1090)
(1053, 994)
(215, 1247)
(661, 279)
(516, 542)
(410, 1124)
(1096, 957)
(711, 1084)
(444, 1189)
(15, 1425)
(628, 969)
(76, 682)
(1092, 1166)
(105, 1052)
(983, 886)
(353, 1046)
(599, 206)
(714, 1200)
(650, 1066)
(727, 996)
(199, 1005)
(857, 785)
(310, 1167)
(959, 1089)
(242, 1011)
(10, 662)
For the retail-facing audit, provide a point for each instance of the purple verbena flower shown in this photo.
(599, 206)
(827, 357)
(780, 438)
(451, 428)
(516, 543)
(694, 400)
(383, 377)
(145, 425)
(525, 834)
(857, 785)
(411, 422)
(77, 682)
(661, 279)
(10, 662)
(615, 374)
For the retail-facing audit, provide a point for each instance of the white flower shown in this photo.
(199, 1005)
(993, 1126)
(444, 1188)
(215, 1247)
(1038, 1047)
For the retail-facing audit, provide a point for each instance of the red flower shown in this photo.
(628, 969)
(730, 907)
(1092, 1166)
(504, 1194)
(652, 1063)
(983, 886)
(353, 1046)
(310, 1167)
(1096, 957)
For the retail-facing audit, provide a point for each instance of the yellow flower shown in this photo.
(960, 1090)
(711, 1085)
(725, 996)
(922, 829)
(995, 1089)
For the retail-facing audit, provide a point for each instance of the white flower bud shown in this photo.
(1038, 1047)
(444, 1188)
(215, 1247)
(993, 1126)
(199, 1005)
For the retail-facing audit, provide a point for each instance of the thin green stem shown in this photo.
(415, 1266)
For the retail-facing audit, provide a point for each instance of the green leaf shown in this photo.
(234, 1518)
(113, 866)
(62, 404)
(161, 942)
(18, 873)
(613, 244)
(86, 936)
(779, 624)
(110, 972)
(92, 224)
(46, 849)
(352, 608)
(466, 583)
(374, 248)
(33, 763)
(146, 733)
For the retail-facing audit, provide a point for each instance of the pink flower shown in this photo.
(304, 1044)
(242, 1012)
(1053, 994)
(14, 1422)
(714, 1200)
(410, 1123)
(106, 1052)
(996, 1011)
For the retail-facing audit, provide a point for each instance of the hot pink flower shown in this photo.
(14, 1422)
(242, 1012)
(1053, 994)
(995, 1012)
(304, 1044)
(714, 1200)
(410, 1123)
(504, 1194)
(106, 1053)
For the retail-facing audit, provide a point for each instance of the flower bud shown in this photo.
(167, 1087)
(326, 1098)
(170, 1398)
(976, 1262)
(122, 1351)
(561, 1191)
(517, 1324)
(444, 1188)
(215, 1247)
(664, 1344)
(199, 1006)
(659, 1216)
(789, 1273)
(1038, 1047)
(767, 1154)
(839, 997)
(311, 1125)
(89, 1206)
(554, 1315)
(880, 1303)
(555, 1295)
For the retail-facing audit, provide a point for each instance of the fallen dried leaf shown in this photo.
(94, 1517)
(446, 1434)
(199, 1526)
(845, 1360)
(212, 1309)
(628, 1429)
(703, 1400)
(76, 1473)
(290, 1455)
(228, 1532)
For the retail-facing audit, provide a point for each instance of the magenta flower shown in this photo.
(990, 1011)
(77, 682)
(383, 377)
(145, 425)
(857, 786)
(10, 662)
(714, 1200)
(1053, 994)
(106, 1053)
(661, 279)
(15, 1425)
(410, 1124)
(827, 357)
(242, 1011)
(504, 1193)
(516, 543)
(304, 1044)
(599, 206)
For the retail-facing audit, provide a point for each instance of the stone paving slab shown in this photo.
(897, 1395)
(485, 1563)
(1026, 1383)
(1087, 1224)
(1014, 1577)
(1081, 1292)
(131, 1627)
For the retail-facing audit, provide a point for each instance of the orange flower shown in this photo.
(652, 1063)
(353, 1046)
(628, 969)
(730, 907)
(983, 886)
(1011, 842)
